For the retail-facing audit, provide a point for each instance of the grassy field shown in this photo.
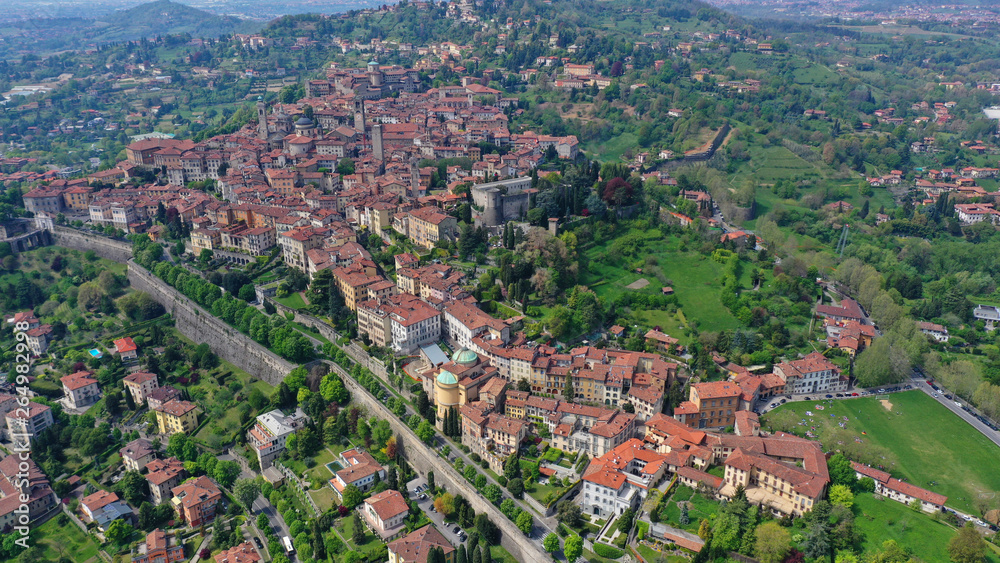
(294, 301)
(699, 508)
(918, 440)
(695, 279)
(64, 540)
(881, 520)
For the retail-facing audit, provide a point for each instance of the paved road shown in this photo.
(277, 522)
(446, 528)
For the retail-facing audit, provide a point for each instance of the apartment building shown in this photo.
(196, 500)
(140, 384)
(711, 404)
(270, 433)
(177, 416)
(80, 389)
(811, 374)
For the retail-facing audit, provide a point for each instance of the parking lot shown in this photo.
(849, 394)
(418, 492)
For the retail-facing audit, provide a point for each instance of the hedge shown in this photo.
(605, 550)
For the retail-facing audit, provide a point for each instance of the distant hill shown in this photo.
(164, 17)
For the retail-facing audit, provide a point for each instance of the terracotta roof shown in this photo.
(414, 547)
(78, 380)
(99, 500)
(243, 553)
(177, 407)
(125, 345)
(388, 504)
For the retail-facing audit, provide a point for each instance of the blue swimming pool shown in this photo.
(96, 353)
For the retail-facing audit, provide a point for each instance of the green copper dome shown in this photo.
(464, 356)
(447, 378)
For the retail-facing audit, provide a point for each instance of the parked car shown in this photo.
(258, 543)
(829, 396)
(456, 529)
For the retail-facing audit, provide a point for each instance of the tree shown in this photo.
(445, 504)
(430, 482)
(132, 487)
(119, 532)
(684, 519)
(841, 495)
(568, 392)
(967, 546)
(359, 531)
(246, 491)
(352, 496)
(551, 543)
(772, 542)
(426, 432)
(493, 493)
(817, 540)
(841, 472)
(516, 487)
(525, 522)
(512, 466)
(573, 547)
(569, 513)
(226, 472)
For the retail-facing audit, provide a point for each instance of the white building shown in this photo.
(935, 331)
(385, 514)
(607, 493)
(811, 374)
(25, 426)
(269, 435)
(463, 322)
(900, 491)
(137, 454)
(414, 325)
(81, 390)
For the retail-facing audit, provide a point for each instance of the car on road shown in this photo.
(456, 529)
(947, 396)
(934, 395)
(783, 401)
(258, 543)
(829, 396)
(433, 509)
(808, 398)
(854, 394)
(423, 497)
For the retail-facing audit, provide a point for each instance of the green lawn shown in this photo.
(324, 498)
(64, 541)
(698, 508)
(918, 440)
(294, 301)
(650, 555)
(881, 520)
(346, 528)
(695, 279)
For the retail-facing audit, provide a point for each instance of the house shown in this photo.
(900, 491)
(621, 478)
(414, 547)
(196, 500)
(140, 384)
(848, 310)
(38, 339)
(160, 396)
(26, 423)
(163, 476)
(22, 483)
(137, 454)
(159, 547)
(80, 389)
(242, 553)
(811, 374)
(987, 313)
(385, 512)
(177, 416)
(664, 343)
(789, 481)
(104, 507)
(935, 331)
(268, 436)
(359, 470)
(711, 404)
(126, 348)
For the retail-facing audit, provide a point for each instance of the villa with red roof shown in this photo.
(415, 546)
(80, 389)
(126, 348)
(359, 470)
(385, 512)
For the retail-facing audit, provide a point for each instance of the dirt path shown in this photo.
(886, 404)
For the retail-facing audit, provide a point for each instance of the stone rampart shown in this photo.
(111, 249)
(202, 327)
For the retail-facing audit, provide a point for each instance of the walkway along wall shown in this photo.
(423, 459)
(202, 327)
(111, 249)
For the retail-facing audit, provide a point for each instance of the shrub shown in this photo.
(605, 550)
(620, 540)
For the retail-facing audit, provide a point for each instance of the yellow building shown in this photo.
(205, 239)
(446, 395)
(177, 416)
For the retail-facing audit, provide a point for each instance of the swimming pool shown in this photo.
(95, 353)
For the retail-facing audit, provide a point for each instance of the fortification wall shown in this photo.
(202, 327)
(112, 249)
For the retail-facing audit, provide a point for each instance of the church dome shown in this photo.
(447, 378)
(304, 122)
(465, 357)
